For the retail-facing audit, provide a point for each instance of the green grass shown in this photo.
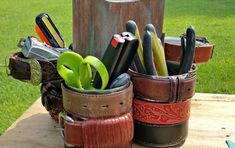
(214, 19)
(16, 21)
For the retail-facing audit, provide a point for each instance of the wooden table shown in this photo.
(212, 122)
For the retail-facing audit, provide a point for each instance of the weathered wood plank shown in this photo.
(94, 22)
(211, 123)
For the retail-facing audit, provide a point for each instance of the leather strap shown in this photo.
(161, 113)
(51, 98)
(164, 89)
(113, 103)
(203, 53)
(21, 69)
(160, 136)
(111, 132)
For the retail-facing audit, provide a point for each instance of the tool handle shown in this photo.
(189, 52)
(148, 54)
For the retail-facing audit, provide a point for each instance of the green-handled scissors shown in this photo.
(77, 72)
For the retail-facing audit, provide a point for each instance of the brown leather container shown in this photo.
(161, 108)
(100, 118)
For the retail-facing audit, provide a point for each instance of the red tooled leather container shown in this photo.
(161, 108)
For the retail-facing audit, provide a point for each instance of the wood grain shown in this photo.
(212, 122)
(94, 22)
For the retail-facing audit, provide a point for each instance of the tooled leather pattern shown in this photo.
(159, 113)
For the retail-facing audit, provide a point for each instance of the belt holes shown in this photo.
(121, 103)
(84, 106)
(104, 106)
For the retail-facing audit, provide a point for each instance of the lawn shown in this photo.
(214, 19)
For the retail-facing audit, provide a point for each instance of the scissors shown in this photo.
(77, 72)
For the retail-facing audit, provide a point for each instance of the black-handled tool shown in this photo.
(139, 60)
(173, 67)
(110, 57)
(148, 54)
(120, 81)
(126, 56)
(158, 51)
(189, 51)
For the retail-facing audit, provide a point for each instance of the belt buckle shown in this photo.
(63, 116)
(35, 70)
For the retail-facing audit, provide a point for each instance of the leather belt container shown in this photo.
(97, 118)
(203, 53)
(161, 108)
(39, 72)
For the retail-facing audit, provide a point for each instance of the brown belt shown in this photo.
(32, 70)
(203, 53)
(164, 89)
(100, 133)
(97, 105)
(51, 97)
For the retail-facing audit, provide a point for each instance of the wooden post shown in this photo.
(95, 21)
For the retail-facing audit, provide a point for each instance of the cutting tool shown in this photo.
(158, 52)
(77, 72)
(188, 51)
(139, 60)
(48, 32)
(148, 54)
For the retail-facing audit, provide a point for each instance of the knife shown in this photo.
(148, 54)
(188, 52)
(158, 52)
(139, 60)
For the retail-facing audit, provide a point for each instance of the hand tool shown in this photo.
(126, 56)
(148, 54)
(120, 81)
(188, 53)
(158, 52)
(110, 57)
(48, 32)
(173, 67)
(32, 48)
(139, 60)
(76, 71)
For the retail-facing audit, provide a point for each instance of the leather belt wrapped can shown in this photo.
(203, 53)
(39, 72)
(97, 118)
(161, 108)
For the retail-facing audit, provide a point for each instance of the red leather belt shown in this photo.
(102, 105)
(204, 49)
(32, 70)
(109, 132)
(164, 89)
(161, 113)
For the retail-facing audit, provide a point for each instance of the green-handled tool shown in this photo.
(158, 52)
(139, 60)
